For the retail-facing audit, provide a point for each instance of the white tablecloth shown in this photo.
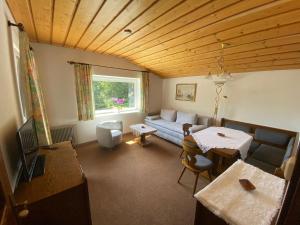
(138, 129)
(234, 139)
(226, 198)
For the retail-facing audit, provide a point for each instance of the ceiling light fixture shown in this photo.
(128, 31)
(219, 79)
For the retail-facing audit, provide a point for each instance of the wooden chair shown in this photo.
(195, 161)
(186, 132)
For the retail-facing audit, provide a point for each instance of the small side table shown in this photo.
(142, 130)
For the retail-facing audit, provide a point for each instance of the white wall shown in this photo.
(269, 98)
(57, 80)
(10, 118)
(204, 95)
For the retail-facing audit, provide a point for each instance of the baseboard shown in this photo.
(93, 141)
(84, 143)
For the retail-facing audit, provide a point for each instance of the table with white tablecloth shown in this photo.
(228, 200)
(210, 138)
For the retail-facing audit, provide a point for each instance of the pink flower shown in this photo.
(119, 101)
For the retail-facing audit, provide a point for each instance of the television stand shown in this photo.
(60, 196)
(39, 168)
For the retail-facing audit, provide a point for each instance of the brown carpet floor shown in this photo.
(131, 185)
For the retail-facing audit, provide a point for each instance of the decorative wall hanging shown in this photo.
(186, 92)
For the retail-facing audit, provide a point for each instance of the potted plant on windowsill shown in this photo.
(118, 103)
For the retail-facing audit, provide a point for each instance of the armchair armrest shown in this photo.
(111, 125)
(279, 173)
(154, 117)
(196, 128)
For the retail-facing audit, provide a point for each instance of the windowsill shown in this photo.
(110, 113)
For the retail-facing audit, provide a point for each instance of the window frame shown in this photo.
(137, 93)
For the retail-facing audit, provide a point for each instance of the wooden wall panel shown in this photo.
(84, 14)
(236, 22)
(133, 11)
(155, 12)
(172, 37)
(255, 47)
(231, 36)
(42, 16)
(22, 13)
(189, 8)
(186, 23)
(203, 26)
(62, 17)
(109, 11)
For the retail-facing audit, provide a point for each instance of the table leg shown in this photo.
(143, 140)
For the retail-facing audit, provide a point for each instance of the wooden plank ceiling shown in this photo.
(172, 37)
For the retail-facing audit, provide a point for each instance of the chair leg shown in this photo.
(181, 154)
(181, 174)
(196, 181)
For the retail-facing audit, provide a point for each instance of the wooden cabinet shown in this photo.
(58, 197)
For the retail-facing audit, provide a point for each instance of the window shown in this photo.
(116, 94)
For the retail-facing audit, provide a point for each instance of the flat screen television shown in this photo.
(33, 164)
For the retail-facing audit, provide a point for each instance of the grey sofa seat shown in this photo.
(270, 146)
(269, 154)
(262, 165)
(254, 145)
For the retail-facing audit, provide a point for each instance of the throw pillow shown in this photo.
(183, 117)
(168, 114)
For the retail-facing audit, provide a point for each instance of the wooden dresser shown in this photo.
(58, 197)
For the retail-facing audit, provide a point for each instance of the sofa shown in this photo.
(169, 124)
(270, 148)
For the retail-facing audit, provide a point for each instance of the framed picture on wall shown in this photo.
(186, 92)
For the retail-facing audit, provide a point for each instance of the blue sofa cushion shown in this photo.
(184, 117)
(167, 127)
(262, 165)
(168, 114)
(272, 137)
(172, 126)
(269, 154)
(236, 126)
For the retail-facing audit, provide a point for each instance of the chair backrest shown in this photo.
(185, 128)
(190, 151)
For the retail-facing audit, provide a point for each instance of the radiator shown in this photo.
(63, 133)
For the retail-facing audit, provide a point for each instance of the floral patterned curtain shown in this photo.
(145, 92)
(23, 75)
(84, 91)
(32, 89)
